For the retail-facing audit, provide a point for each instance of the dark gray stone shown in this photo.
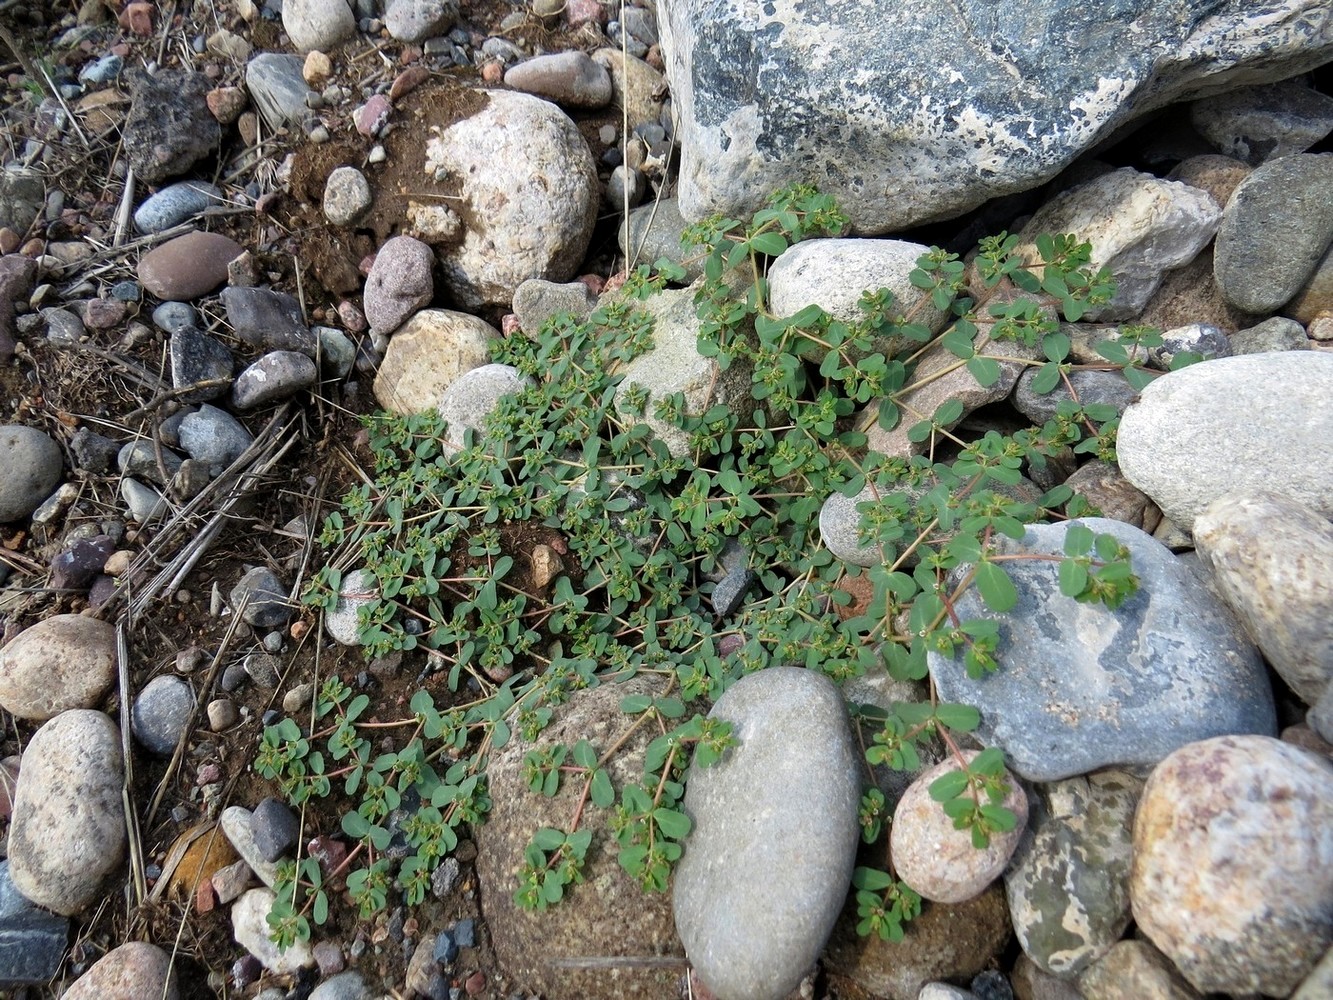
(93, 452)
(278, 89)
(214, 437)
(32, 464)
(1256, 124)
(197, 357)
(32, 941)
(729, 594)
(83, 559)
(140, 458)
(1104, 387)
(761, 883)
(918, 110)
(263, 668)
(1274, 231)
(275, 828)
(161, 713)
(1081, 686)
(653, 232)
(169, 128)
(264, 318)
(174, 204)
(272, 378)
(62, 326)
(264, 598)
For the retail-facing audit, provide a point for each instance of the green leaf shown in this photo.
(1139, 379)
(948, 786)
(958, 343)
(769, 243)
(1078, 539)
(871, 879)
(985, 370)
(1113, 352)
(997, 590)
(548, 838)
(635, 703)
(585, 755)
(961, 718)
(602, 793)
(1073, 578)
(1055, 346)
(1046, 379)
(675, 825)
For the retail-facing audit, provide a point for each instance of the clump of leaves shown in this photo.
(646, 532)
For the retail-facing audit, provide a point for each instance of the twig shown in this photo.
(170, 394)
(138, 877)
(124, 209)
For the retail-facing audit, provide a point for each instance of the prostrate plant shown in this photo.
(641, 536)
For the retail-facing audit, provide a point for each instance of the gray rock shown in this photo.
(195, 358)
(237, 826)
(1256, 124)
(145, 503)
(1183, 668)
(264, 669)
(92, 452)
(920, 112)
(32, 941)
(1229, 878)
(625, 186)
(358, 589)
(937, 859)
(68, 828)
(1204, 339)
(537, 300)
(264, 318)
(415, 20)
(427, 354)
(161, 713)
(172, 317)
(468, 400)
(760, 884)
(1320, 716)
(33, 465)
(1276, 333)
(263, 597)
(1139, 226)
(146, 966)
(337, 354)
(176, 203)
(521, 159)
(1108, 388)
(80, 561)
(654, 231)
(22, 194)
(318, 24)
(214, 438)
(169, 128)
(344, 986)
(943, 991)
(274, 377)
(1068, 886)
(347, 196)
(636, 86)
(275, 828)
(62, 662)
(399, 283)
(1270, 558)
(674, 364)
(571, 79)
(63, 327)
(1259, 421)
(730, 592)
(1316, 296)
(840, 529)
(278, 89)
(249, 926)
(102, 70)
(1275, 229)
(139, 458)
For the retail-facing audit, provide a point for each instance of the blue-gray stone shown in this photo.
(465, 933)
(730, 591)
(446, 948)
(264, 598)
(264, 318)
(214, 437)
(918, 110)
(161, 713)
(174, 204)
(32, 941)
(273, 377)
(126, 291)
(278, 89)
(1081, 686)
(32, 464)
(140, 458)
(275, 828)
(172, 317)
(197, 358)
(347, 985)
(102, 70)
(768, 863)
(1101, 387)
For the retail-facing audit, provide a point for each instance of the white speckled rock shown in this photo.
(1271, 559)
(767, 865)
(68, 830)
(62, 662)
(939, 861)
(468, 400)
(518, 159)
(318, 24)
(347, 196)
(1253, 422)
(135, 970)
(273, 377)
(416, 20)
(237, 824)
(249, 922)
(1233, 863)
(427, 354)
(358, 590)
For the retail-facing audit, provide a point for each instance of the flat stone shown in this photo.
(1277, 333)
(427, 354)
(236, 823)
(262, 317)
(1275, 229)
(278, 89)
(169, 127)
(60, 663)
(274, 377)
(33, 465)
(571, 79)
(1270, 558)
(263, 597)
(344, 986)
(1183, 668)
(175, 204)
(1255, 422)
(68, 830)
(537, 300)
(1109, 388)
(1230, 878)
(347, 196)
(1257, 124)
(140, 458)
(939, 861)
(130, 971)
(32, 941)
(1068, 885)
(475, 394)
(760, 885)
(214, 437)
(161, 713)
(399, 284)
(249, 922)
(92, 452)
(275, 828)
(188, 267)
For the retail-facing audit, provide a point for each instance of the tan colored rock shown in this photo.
(1218, 175)
(427, 354)
(1190, 295)
(1134, 970)
(1105, 487)
(63, 662)
(134, 971)
(1231, 875)
(634, 85)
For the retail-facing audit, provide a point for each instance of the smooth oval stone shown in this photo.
(174, 204)
(1082, 686)
(32, 464)
(62, 662)
(468, 400)
(161, 713)
(132, 971)
(68, 831)
(189, 266)
(1233, 863)
(359, 589)
(273, 377)
(1239, 424)
(767, 865)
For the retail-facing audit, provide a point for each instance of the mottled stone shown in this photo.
(537, 300)
(274, 377)
(262, 317)
(474, 395)
(358, 589)
(32, 941)
(278, 89)
(1106, 489)
(1083, 686)
(214, 438)
(261, 598)
(1233, 863)
(1106, 388)
(169, 127)
(415, 20)
(399, 283)
(1276, 333)
(318, 24)
(62, 662)
(161, 713)
(1134, 970)
(1255, 422)
(33, 464)
(135, 970)
(1068, 886)
(427, 354)
(760, 885)
(1270, 558)
(347, 196)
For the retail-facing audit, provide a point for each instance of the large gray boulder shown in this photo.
(920, 110)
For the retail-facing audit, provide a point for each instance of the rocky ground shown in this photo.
(220, 248)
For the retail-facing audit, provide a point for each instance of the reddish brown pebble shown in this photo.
(367, 262)
(299, 629)
(373, 115)
(492, 72)
(509, 325)
(103, 314)
(353, 319)
(9, 240)
(121, 49)
(653, 58)
(595, 282)
(410, 54)
(188, 266)
(225, 103)
(33, 248)
(475, 983)
(407, 81)
(204, 897)
(138, 18)
(583, 11)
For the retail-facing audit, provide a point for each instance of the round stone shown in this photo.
(466, 403)
(318, 24)
(133, 970)
(62, 662)
(1233, 863)
(347, 196)
(399, 283)
(161, 713)
(274, 377)
(359, 589)
(32, 464)
(189, 266)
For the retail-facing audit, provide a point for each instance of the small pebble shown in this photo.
(263, 669)
(161, 713)
(221, 714)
